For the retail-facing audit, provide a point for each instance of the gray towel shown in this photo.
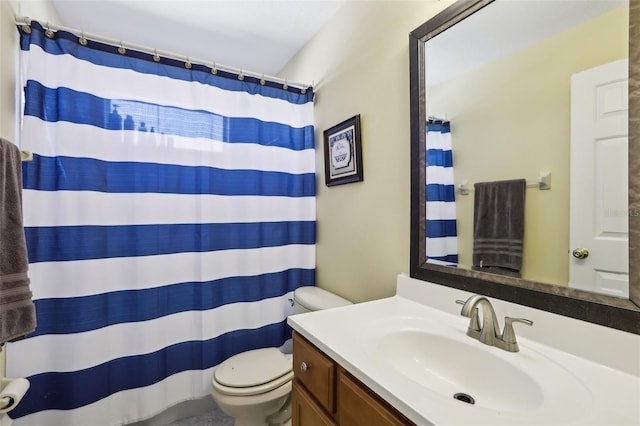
(498, 226)
(17, 312)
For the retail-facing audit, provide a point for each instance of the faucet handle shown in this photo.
(508, 335)
(474, 324)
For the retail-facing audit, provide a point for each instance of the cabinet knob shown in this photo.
(304, 367)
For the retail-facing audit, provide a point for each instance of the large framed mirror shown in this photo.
(513, 89)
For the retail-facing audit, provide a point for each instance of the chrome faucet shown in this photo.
(488, 332)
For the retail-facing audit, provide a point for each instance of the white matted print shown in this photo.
(343, 153)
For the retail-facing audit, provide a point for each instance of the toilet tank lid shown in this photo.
(316, 299)
(252, 368)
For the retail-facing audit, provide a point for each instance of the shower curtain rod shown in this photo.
(25, 20)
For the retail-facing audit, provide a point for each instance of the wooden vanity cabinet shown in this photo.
(305, 411)
(360, 406)
(325, 394)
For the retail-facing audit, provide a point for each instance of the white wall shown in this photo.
(360, 65)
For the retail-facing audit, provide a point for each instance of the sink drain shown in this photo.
(464, 398)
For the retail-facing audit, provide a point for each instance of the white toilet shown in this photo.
(254, 387)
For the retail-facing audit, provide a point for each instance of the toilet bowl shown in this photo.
(254, 387)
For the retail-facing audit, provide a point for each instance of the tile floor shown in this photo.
(212, 418)
(197, 412)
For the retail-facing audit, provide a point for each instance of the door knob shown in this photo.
(580, 253)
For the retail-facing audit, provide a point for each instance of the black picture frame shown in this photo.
(343, 153)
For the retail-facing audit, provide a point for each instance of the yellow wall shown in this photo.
(360, 65)
(9, 48)
(520, 106)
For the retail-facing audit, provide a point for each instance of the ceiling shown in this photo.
(257, 36)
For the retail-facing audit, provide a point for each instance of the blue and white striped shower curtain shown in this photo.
(169, 215)
(442, 240)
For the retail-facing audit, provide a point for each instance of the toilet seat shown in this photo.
(253, 372)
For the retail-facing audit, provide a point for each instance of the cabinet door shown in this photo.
(316, 371)
(305, 412)
(358, 406)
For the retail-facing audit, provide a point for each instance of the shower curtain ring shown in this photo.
(156, 57)
(263, 81)
(214, 71)
(26, 27)
(241, 75)
(187, 64)
(82, 40)
(285, 86)
(121, 49)
(48, 32)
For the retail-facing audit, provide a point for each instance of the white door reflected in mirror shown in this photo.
(599, 175)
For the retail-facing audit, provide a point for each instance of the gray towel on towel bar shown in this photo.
(498, 226)
(17, 312)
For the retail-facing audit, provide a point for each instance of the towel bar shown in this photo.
(542, 183)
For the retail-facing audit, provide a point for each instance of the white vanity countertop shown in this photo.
(350, 335)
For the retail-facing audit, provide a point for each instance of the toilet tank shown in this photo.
(310, 298)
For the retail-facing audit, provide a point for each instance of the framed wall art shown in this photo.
(343, 153)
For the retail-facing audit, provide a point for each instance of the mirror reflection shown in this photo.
(527, 142)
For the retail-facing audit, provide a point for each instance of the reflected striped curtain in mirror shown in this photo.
(442, 241)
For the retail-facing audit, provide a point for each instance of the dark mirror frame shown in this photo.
(622, 314)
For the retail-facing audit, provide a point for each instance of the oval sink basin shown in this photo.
(461, 368)
(450, 367)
